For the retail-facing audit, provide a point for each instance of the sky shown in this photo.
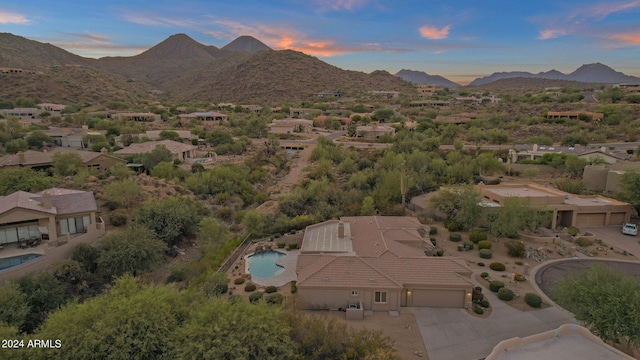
(460, 40)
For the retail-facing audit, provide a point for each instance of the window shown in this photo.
(74, 225)
(354, 292)
(380, 297)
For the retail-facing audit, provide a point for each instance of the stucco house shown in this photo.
(374, 131)
(207, 117)
(290, 125)
(377, 263)
(43, 160)
(51, 214)
(180, 151)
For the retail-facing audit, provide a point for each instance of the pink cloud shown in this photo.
(432, 32)
(629, 38)
(551, 33)
(7, 17)
(338, 5)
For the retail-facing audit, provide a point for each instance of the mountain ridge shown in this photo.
(421, 77)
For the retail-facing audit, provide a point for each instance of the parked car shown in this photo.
(630, 229)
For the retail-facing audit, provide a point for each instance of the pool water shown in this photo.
(264, 265)
(16, 260)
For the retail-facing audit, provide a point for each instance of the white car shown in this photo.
(630, 229)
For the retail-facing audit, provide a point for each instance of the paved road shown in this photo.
(613, 236)
(453, 334)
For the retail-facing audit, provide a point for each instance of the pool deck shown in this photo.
(288, 262)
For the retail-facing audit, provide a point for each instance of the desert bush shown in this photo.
(292, 246)
(484, 274)
(439, 252)
(476, 236)
(497, 266)
(274, 298)
(584, 242)
(118, 217)
(460, 247)
(255, 296)
(239, 281)
(455, 237)
(281, 245)
(518, 262)
(485, 254)
(433, 230)
(484, 303)
(495, 285)
(484, 244)
(270, 289)
(250, 287)
(433, 241)
(481, 264)
(573, 231)
(235, 299)
(453, 225)
(515, 248)
(478, 310)
(468, 245)
(519, 277)
(177, 275)
(505, 294)
(533, 300)
(294, 287)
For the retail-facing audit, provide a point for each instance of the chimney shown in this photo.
(340, 230)
(21, 158)
(103, 150)
(46, 200)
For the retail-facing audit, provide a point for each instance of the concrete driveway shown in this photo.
(613, 236)
(454, 334)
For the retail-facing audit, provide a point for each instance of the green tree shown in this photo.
(23, 179)
(368, 206)
(14, 146)
(459, 203)
(629, 189)
(214, 284)
(38, 138)
(169, 135)
(253, 222)
(169, 171)
(67, 164)
(489, 164)
(513, 216)
(154, 157)
(130, 251)
(605, 300)
(123, 192)
(14, 306)
(382, 115)
(120, 171)
(171, 218)
(45, 294)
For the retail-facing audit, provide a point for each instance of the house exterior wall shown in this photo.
(595, 177)
(104, 162)
(323, 299)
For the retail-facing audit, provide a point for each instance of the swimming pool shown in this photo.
(264, 265)
(17, 260)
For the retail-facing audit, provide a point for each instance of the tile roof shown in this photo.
(63, 201)
(343, 271)
(140, 148)
(373, 235)
(34, 158)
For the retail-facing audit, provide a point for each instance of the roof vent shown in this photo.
(372, 280)
(325, 279)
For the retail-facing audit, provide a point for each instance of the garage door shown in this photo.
(617, 218)
(590, 219)
(438, 298)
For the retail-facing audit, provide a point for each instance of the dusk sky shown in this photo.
(460, 40)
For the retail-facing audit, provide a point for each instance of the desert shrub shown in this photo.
(433, 230)
(478, 310)
(584, 242)
(118, 217)
(519, 277)
(484, 274)
(455, 237)
(468, 245)
(453, 225)
(573, 231)
(518, 262)
(433, 241)
(496, 285)
(460, 247)
(111, 204)
(476, 236)
(515, 248)
(177, 275)
(270, 289)
(484, 244)
(485, 254)
(505, 294)
(439, 252)
(281, 245)
(255, 296)
(294, 287)
(274, 298)
(481, 264)
(250, 287)
(533, 300)
(235, 299)
(292, 246)
(497, 266)
(239, 281)
(484, 303)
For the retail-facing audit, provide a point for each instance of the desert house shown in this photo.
(377, 263)
(43, 159)
(180, 151)
(290, 125)
(605, 178)
(374, 131)
(206, 117)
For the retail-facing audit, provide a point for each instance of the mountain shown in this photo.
(277, 76)
(590, 73)
(246, 43)
(420, 77)
(21, 52)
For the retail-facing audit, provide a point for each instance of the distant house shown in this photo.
(53, 109)
(303, 112)
(385, 94)
(328, 94)
(374, 131)
(536, 151)
(180, 151)
(207, 117)
(430, 103)
(605, 178)
(290, 126)
(27, 114)
(426, 90)
(377, 263)
(48, 215)
(72, 137)
(576, 115)
(43, 160)
(324, 121)
(462, 118)
(137, 116)
(252, 108)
